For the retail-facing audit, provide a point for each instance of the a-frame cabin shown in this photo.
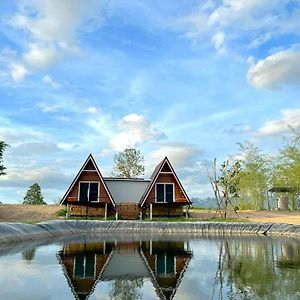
(165, 195)
(88, 194)
(92, 195)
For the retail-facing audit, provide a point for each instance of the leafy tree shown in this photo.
(3, 145)
(225, 185)
(34, 195)
(128, 164)
(286, 170)
(254, 177)
(128, 289)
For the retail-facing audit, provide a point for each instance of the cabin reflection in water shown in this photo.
(164, 263)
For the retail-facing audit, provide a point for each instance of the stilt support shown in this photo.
(151, 211)
(105, 212)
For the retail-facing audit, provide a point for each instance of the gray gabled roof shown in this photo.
(125, 266)
(126, 189)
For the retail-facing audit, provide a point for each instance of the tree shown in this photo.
(286, 170)
(128, 164)
(34, 195)
(225, 185)
(254, 177)
(3, 145)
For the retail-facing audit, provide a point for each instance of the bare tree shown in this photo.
(225, 185)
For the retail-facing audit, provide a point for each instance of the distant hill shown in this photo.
(204, 203)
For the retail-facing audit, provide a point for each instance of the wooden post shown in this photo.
(67, 214)
(105, 212)
(151, 211)
(141, 215)
(116, 215)
(186, 212)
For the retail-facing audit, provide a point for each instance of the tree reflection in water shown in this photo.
(28, 255)
(260, 270)
(126, 289)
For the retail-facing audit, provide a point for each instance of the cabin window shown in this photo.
(88, 191)
(84, 266)
(165, 264)
(164, 192)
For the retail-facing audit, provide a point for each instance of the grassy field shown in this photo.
(39, 213)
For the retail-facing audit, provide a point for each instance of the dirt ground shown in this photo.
(28, 213)
(289, 217)
(39, 213)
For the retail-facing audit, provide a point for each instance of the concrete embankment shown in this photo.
(12, 232)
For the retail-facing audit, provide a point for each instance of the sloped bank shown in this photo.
(12, 232)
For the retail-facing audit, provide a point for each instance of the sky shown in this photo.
(184, 79)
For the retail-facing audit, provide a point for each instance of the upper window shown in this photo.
(84, 265)
(165, 264)
(88, 191)
(164, 192)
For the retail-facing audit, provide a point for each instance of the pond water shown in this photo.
(143, 267)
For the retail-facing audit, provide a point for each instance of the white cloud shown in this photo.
(290, 118)
(34, 148)
(134, 130)
(52, 28)
(40, 56)
(218, 41)
(276, 70)
(253, 21)
(14, 135)
(181, 155)
(47, 176)
(18, 71)
(48, 80)
(55, 20)
(231, 11)
(102, 124)
(46, 107)
(92, 110)
(65, 104)
(67, 146)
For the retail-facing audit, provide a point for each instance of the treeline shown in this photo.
(251, 173)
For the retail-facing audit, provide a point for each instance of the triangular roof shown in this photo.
(160, 291)
(154, 176)
(79, 295)
(91, 159)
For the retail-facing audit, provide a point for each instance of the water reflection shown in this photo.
(126, 264)
(157, 267)
(28, 255)
(260, 271)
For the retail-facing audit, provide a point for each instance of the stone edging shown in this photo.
(13, 232)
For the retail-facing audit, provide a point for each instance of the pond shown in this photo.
(151, 267)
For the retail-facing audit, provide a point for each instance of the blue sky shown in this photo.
(187, 79)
